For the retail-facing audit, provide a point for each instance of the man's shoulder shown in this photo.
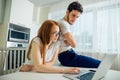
(63, 22)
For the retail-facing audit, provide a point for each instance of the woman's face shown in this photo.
(54, 33)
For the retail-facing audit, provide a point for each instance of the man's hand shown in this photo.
(67, 43)
(69, 39)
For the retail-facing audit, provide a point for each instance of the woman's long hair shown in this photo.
(44, 33)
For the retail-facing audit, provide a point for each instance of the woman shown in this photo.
(44, 49)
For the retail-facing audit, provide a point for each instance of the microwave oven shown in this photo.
(18, 33)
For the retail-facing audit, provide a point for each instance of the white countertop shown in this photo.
(111, 75)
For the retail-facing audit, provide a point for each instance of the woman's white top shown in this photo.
(49, 53)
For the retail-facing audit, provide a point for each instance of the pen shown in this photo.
(92, 70)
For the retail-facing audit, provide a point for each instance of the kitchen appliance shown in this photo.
(18, 36)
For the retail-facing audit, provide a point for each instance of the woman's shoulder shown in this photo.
(36, 39)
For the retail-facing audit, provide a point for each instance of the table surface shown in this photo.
(111, 75)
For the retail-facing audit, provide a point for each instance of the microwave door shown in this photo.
(17, 36)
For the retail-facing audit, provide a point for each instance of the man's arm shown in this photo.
(70, 39)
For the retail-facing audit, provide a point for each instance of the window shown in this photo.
(98, 28)
(83, 31)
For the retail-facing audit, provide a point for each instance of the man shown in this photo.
(67, 56)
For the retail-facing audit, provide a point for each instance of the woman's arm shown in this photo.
(38, 61)
(53, 69)
(40, 67)
(50, 63)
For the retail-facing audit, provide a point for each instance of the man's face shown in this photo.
(72, 16)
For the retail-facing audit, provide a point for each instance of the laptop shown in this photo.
(98, 74)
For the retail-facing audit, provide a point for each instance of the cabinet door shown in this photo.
(21, 12)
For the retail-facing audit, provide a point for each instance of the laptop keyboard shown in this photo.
(87, 76)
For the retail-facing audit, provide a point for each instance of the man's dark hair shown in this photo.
(75, 6)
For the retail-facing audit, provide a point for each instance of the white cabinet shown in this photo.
(21, 12)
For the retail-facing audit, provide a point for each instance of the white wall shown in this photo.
(40, 14)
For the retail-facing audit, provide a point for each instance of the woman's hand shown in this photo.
(72, 70)
(26, 68)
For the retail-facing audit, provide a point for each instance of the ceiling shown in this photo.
(42, 3)
(45, 2)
